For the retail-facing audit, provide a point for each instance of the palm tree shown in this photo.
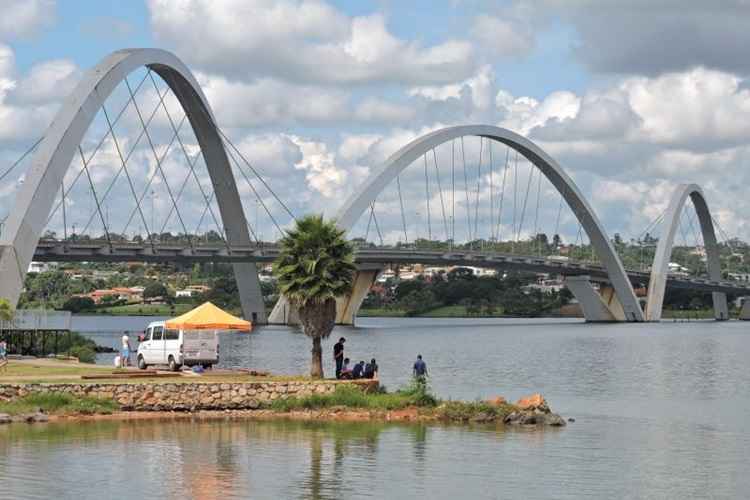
(315, 265)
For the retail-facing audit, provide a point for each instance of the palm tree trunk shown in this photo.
(316, 364)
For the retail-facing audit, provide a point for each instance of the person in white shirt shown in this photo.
(125, 352)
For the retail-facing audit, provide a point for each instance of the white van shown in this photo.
(162, 346)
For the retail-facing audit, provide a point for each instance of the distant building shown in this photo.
(193, 291)
(38, 267)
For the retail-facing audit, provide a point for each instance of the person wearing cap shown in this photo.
(338, 355)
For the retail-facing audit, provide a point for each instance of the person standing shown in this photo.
(338, 355)
(3, 355)
(125, 352)
(420, 369)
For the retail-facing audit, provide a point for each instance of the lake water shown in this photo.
(662, 411)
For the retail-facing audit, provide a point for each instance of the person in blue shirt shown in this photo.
(420, 368)
(358, 370)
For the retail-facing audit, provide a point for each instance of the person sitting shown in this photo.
(358, 370)
(371, 369)
(346, 370)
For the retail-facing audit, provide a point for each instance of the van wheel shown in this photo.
(141, 363)
(173, 366)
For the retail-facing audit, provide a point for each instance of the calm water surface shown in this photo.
(662, 411)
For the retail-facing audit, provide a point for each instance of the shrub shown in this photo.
(59, 403)
(84, 353)
(352, 396)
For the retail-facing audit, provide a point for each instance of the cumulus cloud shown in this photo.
(22, 18)
(306, 41)
(503, 36)
(269, 102)
(648, 37)
(28, 101)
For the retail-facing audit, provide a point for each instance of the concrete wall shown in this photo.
(184, 396)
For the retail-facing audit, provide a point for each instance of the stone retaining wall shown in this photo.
(184, 396)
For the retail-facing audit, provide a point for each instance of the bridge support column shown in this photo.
(12, 275)
(721, 310)
(745, 311)
(251, 296)
(598, 307)
(346, 307)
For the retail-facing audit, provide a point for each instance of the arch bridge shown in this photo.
(21, 238)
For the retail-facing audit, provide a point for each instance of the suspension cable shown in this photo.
(492, 194)
(96, 199)
(127, 174)
(127, 158)
(479, 183)
(260, 178)
(498, 233)
(21, 158)
(466, 191)
(99, 145)
(257, 196)
(191, 164)
(427, 197)
(440, 188)
(403, 216)
(375, 220)
(453, 193)
(158, 164)
(525, 200)
(536, 214)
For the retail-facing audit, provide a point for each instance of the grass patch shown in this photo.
(59, 404)
(352, 396)
(381, 312)
(143, 310)
(465, 411)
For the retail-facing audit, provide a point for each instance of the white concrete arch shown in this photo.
(61, 140)
(360, 201)
(660, 268)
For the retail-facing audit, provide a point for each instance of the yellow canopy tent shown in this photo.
(208, 317)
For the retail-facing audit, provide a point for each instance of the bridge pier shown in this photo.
(346, 307)
(745, 311)
(598, 307)
(11, 274)
(251, 296)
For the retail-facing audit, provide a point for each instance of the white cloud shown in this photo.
(48, 81)
(503, 36)
(270, 102)
(21, 18)
(304, 41)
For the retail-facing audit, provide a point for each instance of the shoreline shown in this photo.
(412, 415)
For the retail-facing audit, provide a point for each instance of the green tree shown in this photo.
(154, 290)
(315, 265)
(6, 313)
(78, 304)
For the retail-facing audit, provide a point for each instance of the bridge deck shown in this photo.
(57, 251)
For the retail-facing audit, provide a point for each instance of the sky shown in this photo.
(631, 98)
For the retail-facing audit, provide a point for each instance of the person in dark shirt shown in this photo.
(420, 368)
(371, 369)
(358, 370)
(338, 355)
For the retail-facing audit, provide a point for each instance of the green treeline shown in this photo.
(479, 295)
